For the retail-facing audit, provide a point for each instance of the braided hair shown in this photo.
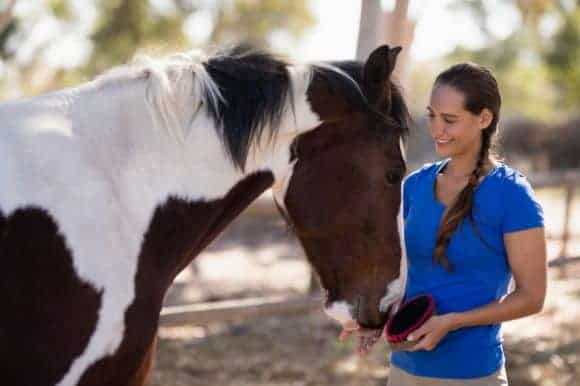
(480, 91)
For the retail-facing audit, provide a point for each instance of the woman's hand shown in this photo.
(430, 334)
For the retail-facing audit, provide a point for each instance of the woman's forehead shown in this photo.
(446, 99)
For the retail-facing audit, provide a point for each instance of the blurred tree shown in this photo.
(125, 26)
(7, 25)
(563, 58)
(120, 28)
(523, 79)
(538, 71)
(254, 21)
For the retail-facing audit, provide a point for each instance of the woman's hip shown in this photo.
(398, 377)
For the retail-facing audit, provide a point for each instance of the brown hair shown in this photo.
(480, 91)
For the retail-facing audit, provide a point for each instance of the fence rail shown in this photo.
(238, 310)
(569, 180)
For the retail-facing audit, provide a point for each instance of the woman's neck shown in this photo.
(463, 166)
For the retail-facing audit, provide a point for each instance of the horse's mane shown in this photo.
(246, 91)
(256, 92)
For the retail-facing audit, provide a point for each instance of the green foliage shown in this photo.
(563, 59)
(523, 78)
(539, 73)
(253, 21)
(124, 27)
(61, 9)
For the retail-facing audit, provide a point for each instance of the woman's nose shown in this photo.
(437, 127)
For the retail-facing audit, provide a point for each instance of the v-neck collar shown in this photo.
(438, 170)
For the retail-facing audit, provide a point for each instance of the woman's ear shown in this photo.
(485, 118)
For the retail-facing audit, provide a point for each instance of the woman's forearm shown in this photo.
(515, 305)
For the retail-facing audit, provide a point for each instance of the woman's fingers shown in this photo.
(421, 331)
(345, 334)
(348, 330)
(367, 339)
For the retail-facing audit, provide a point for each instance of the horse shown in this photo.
(110, 189)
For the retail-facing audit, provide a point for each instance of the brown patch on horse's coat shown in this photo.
(48, 314)
(178, 231)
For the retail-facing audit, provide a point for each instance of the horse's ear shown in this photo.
(377, 73)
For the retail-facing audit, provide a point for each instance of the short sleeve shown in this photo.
(522, 209)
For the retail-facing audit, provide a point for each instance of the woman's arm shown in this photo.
(526, 251)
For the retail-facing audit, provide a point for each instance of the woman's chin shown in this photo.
(443, 151)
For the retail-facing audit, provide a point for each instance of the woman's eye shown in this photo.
(393, 178)
(450, 122)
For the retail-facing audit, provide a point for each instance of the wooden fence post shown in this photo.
(568, 199)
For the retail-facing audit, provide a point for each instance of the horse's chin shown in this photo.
(378, 325)
(343, 313)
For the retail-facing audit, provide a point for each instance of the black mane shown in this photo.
(256, 88)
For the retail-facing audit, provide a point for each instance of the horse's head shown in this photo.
(342, 193)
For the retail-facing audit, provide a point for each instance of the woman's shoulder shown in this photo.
(521, 207)
(515, 191)
(510, 178)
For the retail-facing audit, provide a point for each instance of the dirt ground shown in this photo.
(257, 257)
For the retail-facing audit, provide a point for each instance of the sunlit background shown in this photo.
(533, 48)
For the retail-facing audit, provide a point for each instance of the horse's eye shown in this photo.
(393, 178)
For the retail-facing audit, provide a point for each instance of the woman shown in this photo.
(471, 223)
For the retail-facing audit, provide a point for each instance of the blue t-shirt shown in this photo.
(503, 202)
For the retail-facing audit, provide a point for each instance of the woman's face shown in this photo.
(455, 131)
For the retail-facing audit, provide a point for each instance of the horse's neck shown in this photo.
(191, 187)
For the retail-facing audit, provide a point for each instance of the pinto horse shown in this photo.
(110, 189)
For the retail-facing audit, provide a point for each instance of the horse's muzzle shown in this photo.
(368, 315)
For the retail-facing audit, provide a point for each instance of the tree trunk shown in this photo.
(370, 28)
(6, 14)
(400, 31)
(396, 23)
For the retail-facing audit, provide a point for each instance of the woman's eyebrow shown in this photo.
(445, 115)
